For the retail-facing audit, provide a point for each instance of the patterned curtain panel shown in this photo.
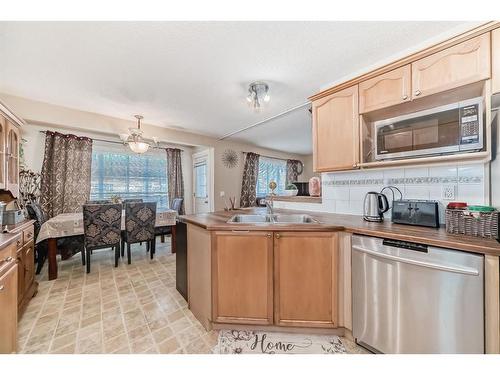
(292, 170)
(249, 184)
(65, 180)
(174, 177)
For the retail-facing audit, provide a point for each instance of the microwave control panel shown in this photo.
(469, 124)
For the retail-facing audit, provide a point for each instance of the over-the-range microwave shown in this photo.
(452, 128)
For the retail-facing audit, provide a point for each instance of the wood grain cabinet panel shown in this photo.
(336, 131)
(8, 309)
(242, 277)
(385, 90)
(305, 272)
(495, 61)
(462, 64)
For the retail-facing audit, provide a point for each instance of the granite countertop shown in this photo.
(349, 223)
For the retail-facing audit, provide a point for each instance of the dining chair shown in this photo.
(164, 231)
(102, 229)
(67, 246)
(140, 225)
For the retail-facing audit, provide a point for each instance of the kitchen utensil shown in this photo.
(375, 204)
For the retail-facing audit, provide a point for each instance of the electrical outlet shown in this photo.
(222, 194)
(448, 192)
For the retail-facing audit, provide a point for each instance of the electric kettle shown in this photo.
(374, 206)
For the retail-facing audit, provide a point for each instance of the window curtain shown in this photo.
(249, 184)
(174, 177)
(65, 177)
(292, 170)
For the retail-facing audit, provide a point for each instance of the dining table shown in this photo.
(71, 224)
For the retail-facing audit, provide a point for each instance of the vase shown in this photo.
(315, 187)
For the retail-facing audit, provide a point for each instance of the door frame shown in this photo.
(209, 155)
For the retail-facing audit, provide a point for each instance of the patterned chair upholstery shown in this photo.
(140, 225)
(67, 246)
(163, 231)
(102, 228)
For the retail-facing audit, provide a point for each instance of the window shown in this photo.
(118, 171)
(271, 170)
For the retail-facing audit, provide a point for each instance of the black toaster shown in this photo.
(416, 212)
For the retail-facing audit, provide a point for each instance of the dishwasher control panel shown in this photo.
(406, 245)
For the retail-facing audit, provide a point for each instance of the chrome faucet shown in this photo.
(270, 206)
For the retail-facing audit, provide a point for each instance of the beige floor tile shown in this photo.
(69, 349)
(169, 346)
(197, 346)
(142, 344)
(62, 341)
(116, 343)
(162, 334)
(180, 325)
(138, 333)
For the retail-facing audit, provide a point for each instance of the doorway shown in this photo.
(203, 181)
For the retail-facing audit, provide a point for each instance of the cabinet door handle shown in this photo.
(405, 97)
(278, 235)
(268, 235)
(417, 93)
(2, 287)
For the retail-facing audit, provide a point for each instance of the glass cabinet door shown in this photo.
(2, 152)
(12, 183)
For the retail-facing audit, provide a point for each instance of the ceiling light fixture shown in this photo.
(135, 140)
(258, 93)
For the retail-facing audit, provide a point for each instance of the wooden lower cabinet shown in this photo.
(8, 307)
(305, 274)
(242, 277)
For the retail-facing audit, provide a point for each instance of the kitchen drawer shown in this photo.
(28, 234)
(6, 254)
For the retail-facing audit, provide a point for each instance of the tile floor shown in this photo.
(130, 309)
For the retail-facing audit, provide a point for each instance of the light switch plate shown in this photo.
(448, 192)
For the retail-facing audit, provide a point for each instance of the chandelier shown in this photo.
(258, 92)
(135, 140)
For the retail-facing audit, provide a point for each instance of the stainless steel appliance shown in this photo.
(414, 298)
(416, 212)
(451, 128)
(374, 206)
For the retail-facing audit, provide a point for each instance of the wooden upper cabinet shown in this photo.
(242, 277)
(495, 61)
(336, 131)
(305, 273)
(462, 64)
(385, 90)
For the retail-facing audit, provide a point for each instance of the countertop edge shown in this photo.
(461, 243)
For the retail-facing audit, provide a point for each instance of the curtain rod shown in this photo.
(115, 142)
(271, 157)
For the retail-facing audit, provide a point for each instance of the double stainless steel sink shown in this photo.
(273, 219)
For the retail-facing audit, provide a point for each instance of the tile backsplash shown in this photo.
(343, 192)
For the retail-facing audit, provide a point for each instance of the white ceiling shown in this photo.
(194, 75)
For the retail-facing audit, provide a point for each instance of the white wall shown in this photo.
(44, 116)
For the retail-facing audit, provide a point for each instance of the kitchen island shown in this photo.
(297, 276)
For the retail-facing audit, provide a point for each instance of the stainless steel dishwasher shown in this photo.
(413, 298)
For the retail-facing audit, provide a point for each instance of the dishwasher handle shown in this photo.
(462, 270)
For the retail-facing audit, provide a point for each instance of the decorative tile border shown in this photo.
(406, 181)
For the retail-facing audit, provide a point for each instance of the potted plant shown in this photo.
(291, 190)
